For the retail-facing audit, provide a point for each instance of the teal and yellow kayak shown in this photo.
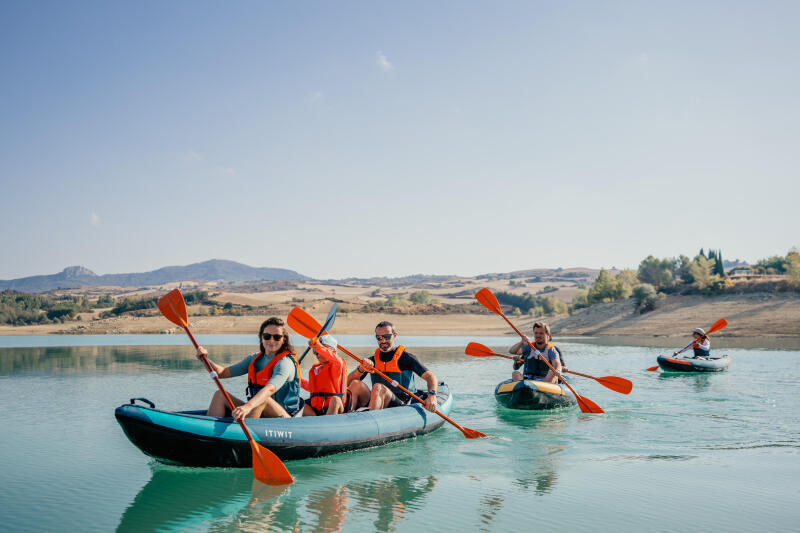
(533, 395)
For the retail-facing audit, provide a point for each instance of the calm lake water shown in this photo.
(693, 452)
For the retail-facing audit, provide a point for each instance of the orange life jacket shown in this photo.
(392, 369)
(323, 384)
(258, 376)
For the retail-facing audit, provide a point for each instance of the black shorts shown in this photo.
(397, 401)
(324, 410)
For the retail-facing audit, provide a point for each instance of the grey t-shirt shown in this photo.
(284, 370)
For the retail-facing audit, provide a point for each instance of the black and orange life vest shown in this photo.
(392, 369)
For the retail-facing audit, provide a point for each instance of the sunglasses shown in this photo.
(386, 336)
(268, 336)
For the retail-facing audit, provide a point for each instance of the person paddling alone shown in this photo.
(701, 345)
(399, 365)
(327, 379)
(534, 367)
(273, 377)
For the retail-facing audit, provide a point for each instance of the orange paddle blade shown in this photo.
(488, 300)
(471, 433)
(173, 307)
(587, 405)
(718, 325)
(476, 349)
(652, 368)
(267, 468)
(617, 384)
(303, 323)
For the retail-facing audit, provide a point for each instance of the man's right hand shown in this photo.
(366, 366)
(201, 352)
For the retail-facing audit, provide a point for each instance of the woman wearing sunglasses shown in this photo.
(273, 377)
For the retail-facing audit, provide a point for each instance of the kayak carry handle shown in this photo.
(145, 400)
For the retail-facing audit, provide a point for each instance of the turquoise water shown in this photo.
(691, 452)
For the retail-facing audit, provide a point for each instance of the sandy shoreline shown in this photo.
(762, 315)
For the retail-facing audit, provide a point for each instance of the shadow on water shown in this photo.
(700, 381)
(552, 419)
(185, 499)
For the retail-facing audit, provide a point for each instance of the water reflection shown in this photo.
(178, 498)
(185, 498)
(553, 419)
(700, 381)
(107, 359)
(391, 498)
(490, 507)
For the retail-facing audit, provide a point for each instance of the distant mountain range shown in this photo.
(212, 270)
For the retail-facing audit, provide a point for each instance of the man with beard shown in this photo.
(396, 363)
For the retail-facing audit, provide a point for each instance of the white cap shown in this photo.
(329, 341)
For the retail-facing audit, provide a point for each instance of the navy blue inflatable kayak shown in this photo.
(678, 364)
(191, 438)
(533, 395)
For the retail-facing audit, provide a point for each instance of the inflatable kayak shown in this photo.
(191, 438)
(533, 395)
(677, 364)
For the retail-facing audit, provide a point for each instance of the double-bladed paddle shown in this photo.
(325, 327)
(305, 325)
(267, 467)
(489, 301)
(617, 384)
(716, 326)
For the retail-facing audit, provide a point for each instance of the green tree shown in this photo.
(607, 288)
(657, 272)
(702, 269)
(646, 297)
(793, 268)
(420, 297)
(640, 292)
(551, 306)
(683, 269)
(397, 300)
(581, 299)
(771, 265)
(105, 301)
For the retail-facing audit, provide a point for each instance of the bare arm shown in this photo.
(552, 377)
(222, 371)
(516, 349)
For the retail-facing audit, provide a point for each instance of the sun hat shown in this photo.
(699, 331)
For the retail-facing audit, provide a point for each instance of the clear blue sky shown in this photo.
(374, 138)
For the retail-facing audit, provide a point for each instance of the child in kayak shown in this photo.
(326, 379)
(701, 345)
